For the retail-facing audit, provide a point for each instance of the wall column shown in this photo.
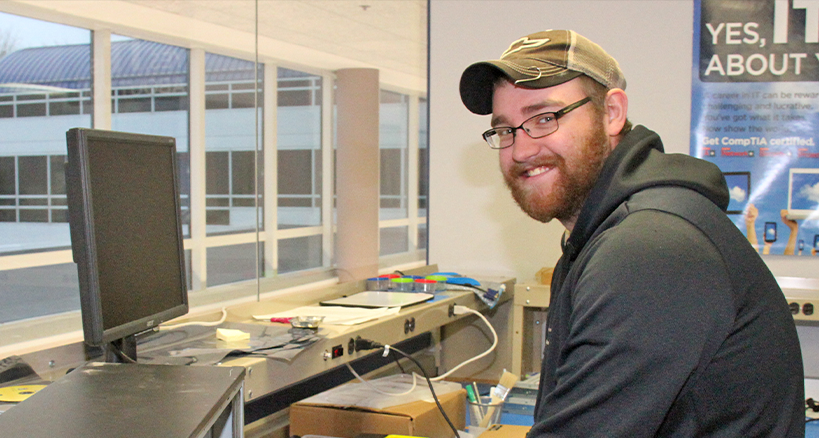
(357, 173)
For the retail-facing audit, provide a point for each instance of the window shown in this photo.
(231, 144)
(242, 129)
(299, 254)
(218, 188)
(393, 143)
(234, 173)
(8, 176)
(299, 149)
(8, 189)
(394, 240)
(34, 181)
(137, 92)
(299, 170)
(423, 172)
(45, 100)
(296, 173)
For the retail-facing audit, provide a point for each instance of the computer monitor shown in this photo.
(126, 235)
(803, 194)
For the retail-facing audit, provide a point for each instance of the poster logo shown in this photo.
(759, 41)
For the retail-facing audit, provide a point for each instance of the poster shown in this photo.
(755, 114)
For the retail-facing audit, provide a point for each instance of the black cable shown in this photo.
(429, 382)
(397, 361)
(121, 354)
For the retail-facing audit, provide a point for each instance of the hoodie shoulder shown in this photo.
(637, 163)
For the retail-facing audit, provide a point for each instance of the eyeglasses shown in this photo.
(538, 126)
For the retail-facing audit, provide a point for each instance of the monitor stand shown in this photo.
(115, 350)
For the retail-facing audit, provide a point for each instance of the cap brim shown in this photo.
(478, 85)
(478, 82)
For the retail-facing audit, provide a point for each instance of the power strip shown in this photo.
(804, 309)
(802, 295)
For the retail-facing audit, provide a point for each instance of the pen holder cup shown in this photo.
(483, 413)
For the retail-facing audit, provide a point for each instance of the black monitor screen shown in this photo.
(126, 232)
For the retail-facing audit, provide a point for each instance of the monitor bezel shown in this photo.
(84, 242)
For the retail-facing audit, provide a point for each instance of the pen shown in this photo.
(475, 409)
(481, 409)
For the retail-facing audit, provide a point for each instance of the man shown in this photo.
(663, 320)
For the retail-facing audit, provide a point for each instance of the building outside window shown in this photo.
(47, 88)
(233, 167)
(300, 177)
(44, 91)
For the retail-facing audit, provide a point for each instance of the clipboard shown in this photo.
(374, 299)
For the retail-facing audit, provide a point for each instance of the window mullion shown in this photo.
(271, 182)
(196, 149)
(327, 168)
(413, 142)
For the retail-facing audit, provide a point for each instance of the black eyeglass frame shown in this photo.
(556, 114)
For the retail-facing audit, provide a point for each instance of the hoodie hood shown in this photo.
(638, 162)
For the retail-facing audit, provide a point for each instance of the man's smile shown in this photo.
(537, 171)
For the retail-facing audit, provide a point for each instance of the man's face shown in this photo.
(550, 177)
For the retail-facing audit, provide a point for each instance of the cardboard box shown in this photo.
(418, 418)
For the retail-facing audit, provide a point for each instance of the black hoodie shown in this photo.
(663, 320)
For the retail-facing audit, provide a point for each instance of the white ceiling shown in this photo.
(389, 34)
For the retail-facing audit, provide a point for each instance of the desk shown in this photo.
(272, 385)
(119, 400)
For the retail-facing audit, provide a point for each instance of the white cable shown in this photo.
(204, 324)
(494, 344)
(374, 388)
(443, 376)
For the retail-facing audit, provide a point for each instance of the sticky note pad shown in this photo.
(231, 334)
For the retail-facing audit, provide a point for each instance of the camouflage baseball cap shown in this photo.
(539, 60)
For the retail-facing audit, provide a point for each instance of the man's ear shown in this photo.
(616, 111)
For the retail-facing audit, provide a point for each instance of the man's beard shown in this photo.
(563, 199)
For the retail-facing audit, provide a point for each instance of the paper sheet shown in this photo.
(364, 396)
(334, 314)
